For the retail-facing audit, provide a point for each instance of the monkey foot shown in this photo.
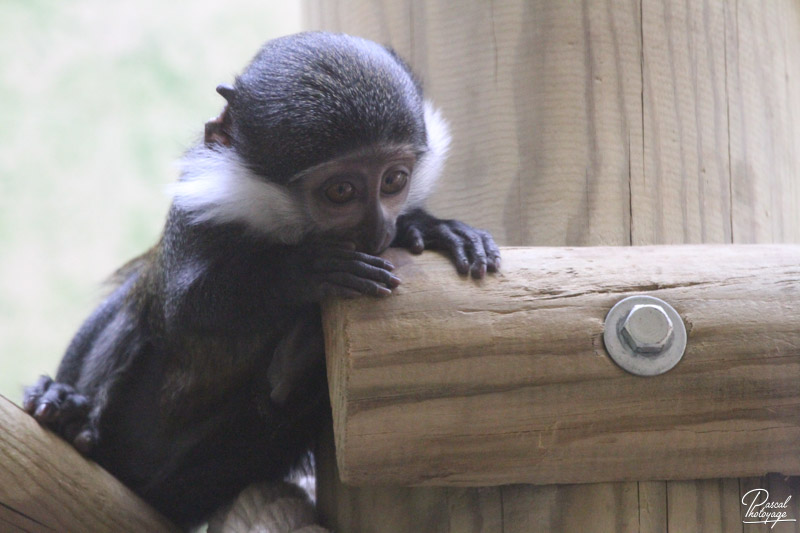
(61, 408)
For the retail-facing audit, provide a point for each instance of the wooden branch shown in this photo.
(457, 382)
(48, 486)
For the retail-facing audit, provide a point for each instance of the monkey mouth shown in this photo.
(387, 241)
(379, 248)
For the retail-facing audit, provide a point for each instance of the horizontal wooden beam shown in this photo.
(453, 381)
(48, 486)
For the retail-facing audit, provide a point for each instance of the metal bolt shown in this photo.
(644, 335)
(647, 328)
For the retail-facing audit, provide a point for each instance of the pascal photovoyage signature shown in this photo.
(760, 510)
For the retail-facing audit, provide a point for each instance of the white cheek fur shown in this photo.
(431, 164)
(216, 186)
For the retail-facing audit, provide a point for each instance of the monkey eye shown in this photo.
(394, 182)
(340, 192)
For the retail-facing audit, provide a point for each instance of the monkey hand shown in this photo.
(472, 250)
(320, 270)
(62, 409)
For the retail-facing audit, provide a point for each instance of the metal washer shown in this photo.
(643, 364)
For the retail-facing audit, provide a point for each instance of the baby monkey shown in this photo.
(203, 370)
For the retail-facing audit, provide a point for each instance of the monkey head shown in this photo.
(323, 135)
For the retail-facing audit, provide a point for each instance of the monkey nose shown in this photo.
(379, 243)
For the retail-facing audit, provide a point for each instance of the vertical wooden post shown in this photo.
(596, 123)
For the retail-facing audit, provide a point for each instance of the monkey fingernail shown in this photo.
(394, 281)
(44, 411)
(84, 442)
(383, 292)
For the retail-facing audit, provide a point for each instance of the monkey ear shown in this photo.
(217, 130)
(227, 91)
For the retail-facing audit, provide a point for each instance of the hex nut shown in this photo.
(647, 329)
(644, 335)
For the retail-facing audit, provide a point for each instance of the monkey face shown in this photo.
(358, 197)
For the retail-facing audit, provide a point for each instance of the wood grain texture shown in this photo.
(607, 122)
(545, 140)
(763, 58)
(709, 505)
(542, 509)
(683, 195)
(454, 382)
(651, 503)
(47, 486)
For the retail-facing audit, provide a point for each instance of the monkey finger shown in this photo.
(50, 405)
(416, 243)
(34, 393)
(61, 405)
(492, 252)
(75, 429)
(478, 270)
(86, 440)
(363, 270)
(353, 282)
(452, 243)
(475, 250)
(74, 407)
(322, 264)
(373, 260)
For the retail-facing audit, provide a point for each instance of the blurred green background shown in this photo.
(98, 99)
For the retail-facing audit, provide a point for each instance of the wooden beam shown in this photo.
(48, 486)
(457, 382)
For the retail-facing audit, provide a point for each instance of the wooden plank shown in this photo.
(763, 46)
(546, 138)
(709, 505)
(547, 135)
(763, 93)
(683, 195)
(451, 382)
(543, 509)
(48, 486)
(549, 158)
(522, 149)
(383, 21)
(652, 506)
(512, 86)
(402, 508)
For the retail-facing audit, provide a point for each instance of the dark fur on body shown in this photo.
(176, 370)
(203, 371)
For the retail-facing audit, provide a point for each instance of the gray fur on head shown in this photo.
(305, 99)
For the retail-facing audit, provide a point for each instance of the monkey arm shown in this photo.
(296, 355)
(225, 280)
(472, 250)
